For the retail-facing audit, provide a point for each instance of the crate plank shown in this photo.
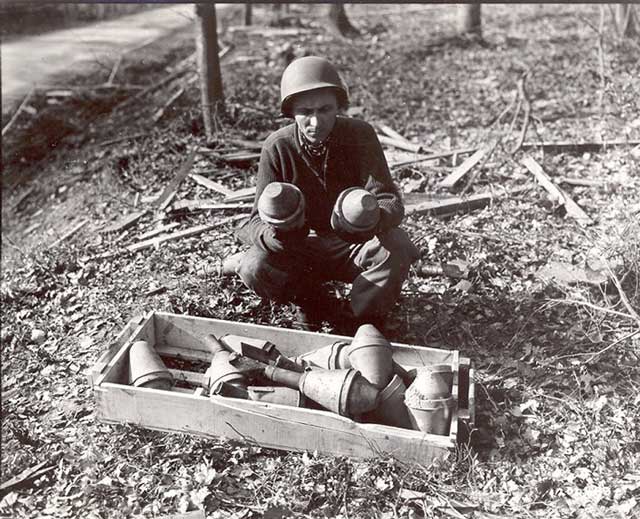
(268, 425)
(190, 377)
(118, 368)
(187, 332)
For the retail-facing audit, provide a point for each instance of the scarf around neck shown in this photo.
(314, 150)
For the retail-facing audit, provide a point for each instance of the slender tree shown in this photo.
(211, 92)
(469, 19)
(339, 22)
(626, 20)
(248, 8)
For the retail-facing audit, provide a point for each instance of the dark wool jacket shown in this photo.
(354, 158)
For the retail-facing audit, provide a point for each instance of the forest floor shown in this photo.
(547, 309)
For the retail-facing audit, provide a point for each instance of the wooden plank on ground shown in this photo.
(579, 147)
(242, 195)
(125, 223)
(206, 205)
(240, 156)
(210, 184)
(159, 230)
(439, 206)
(247, 144)
(390, 132)
(450, 204)
(460, 171)
(582, 182)
(68, 234)
(186, 233)
(170, 190)
(434, 156)
(573, 209)
(400, 144)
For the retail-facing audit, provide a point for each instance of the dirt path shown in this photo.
(42, 59)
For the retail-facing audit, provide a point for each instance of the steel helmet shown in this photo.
(309, 73)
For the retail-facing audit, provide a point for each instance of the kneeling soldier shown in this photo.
(325, 209)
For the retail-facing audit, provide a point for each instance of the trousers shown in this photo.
(376, 270)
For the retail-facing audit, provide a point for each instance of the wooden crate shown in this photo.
(269, 425)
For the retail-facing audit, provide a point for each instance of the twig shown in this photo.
(623, 295)
(151, 88)
(506, 110)
(601, 61)
(603, 350)
(594, 307)
(18, 111)
(22, 198)
(26, 477)
(522, 92)
(594, 355)
(516, 112)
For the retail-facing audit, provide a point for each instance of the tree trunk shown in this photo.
(211, 93)
(469, 19)
(339, 23)
(247, 13)
(276, 15)
(626, 20)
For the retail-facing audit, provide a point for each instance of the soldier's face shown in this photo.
(315, 113)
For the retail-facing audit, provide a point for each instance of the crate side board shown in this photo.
(173, 330)
(103, 360)
(268, 425)
(117, 369)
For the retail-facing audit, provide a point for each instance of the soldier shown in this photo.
(326, 209)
